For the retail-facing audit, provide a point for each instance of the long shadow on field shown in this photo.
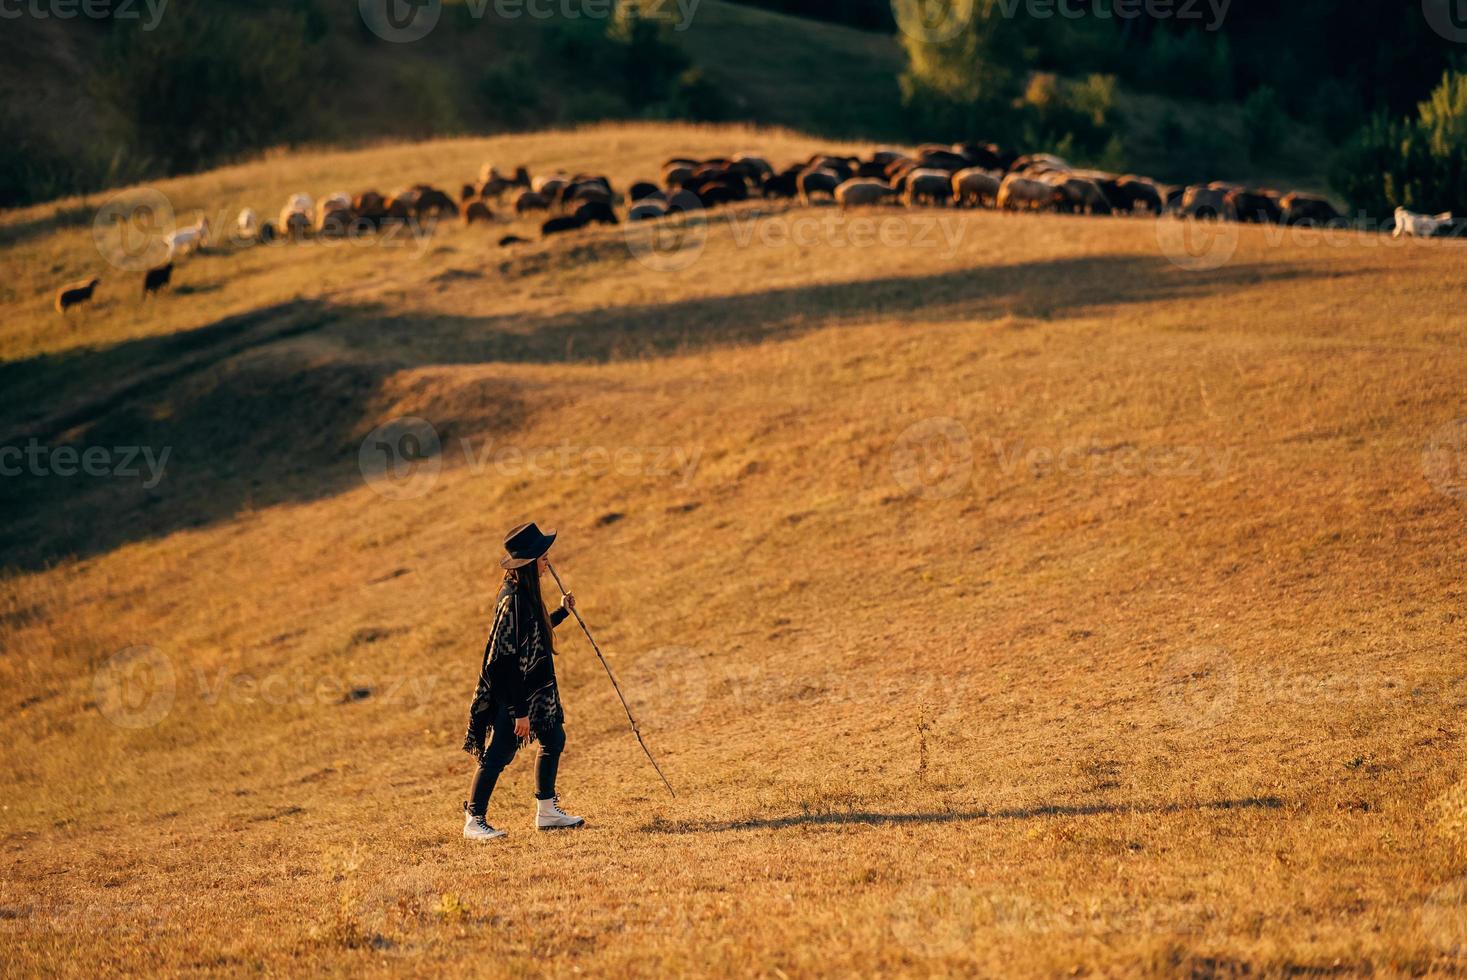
(1036, 290)
(162, 434)
(248, 422)
(872, 818)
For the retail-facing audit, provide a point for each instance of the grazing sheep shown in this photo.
(467, 193)
(755, 168)
(986, 155)
(1079, 195)
(646, 210)
(675, 177)
(1132, 191)
(248, 225)
(557, 225)
(945, 160)
(782, 185)
(493, 184)
(549, 187)
(1413, 225)
(844, 168)
(642, 190)
(1043, 162)
(588, 193)
(596, 211)
(156, 279)
(1307, 209)
(477, 211)
(531, 201)
(75, 294)
(421, 201)
(1204, 202)
(268, 233)
(431, 202)
(1018, 193)
(817, 181)
(186, 241)
(725, 191)
(886, 156)
(975, 186)
(370, 207)
(684, 201)
(295, 217)
(334, 215)
(927, 186)
(860, 192)
(1253, 207)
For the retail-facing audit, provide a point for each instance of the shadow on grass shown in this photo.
(250, 422)
(873, 818)
(1032, 290)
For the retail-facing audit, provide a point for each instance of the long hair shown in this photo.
(528, 579)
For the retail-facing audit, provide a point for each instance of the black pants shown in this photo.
(501, 751)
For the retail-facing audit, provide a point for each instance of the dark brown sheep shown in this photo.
(812, 182)
(1080, 195)
(156, 279)
(782, 185)
(75, 294)
(477, 210)
(530, 201)
(1253, 207)
(556, 226)
(598, 212)
(1307, 209)
(1132, 191)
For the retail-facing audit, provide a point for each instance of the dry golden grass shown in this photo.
(1183, 697)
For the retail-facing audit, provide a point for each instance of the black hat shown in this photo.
(524, 544)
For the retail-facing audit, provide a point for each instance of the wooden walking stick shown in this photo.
(617, 687)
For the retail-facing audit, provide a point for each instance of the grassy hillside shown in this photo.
(1002, 597)
(496, 75)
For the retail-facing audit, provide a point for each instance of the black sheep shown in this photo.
(596, 211)
(156, 279)
(557, 225)
(75, 294)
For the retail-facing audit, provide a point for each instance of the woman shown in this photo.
(516, 697)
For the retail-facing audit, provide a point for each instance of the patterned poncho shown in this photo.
(518, 670)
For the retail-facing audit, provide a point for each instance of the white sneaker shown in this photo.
(552, 817)
(476, 829)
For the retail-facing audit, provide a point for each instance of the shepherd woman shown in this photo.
(516, 699)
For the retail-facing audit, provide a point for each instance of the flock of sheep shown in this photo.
(933, 175)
